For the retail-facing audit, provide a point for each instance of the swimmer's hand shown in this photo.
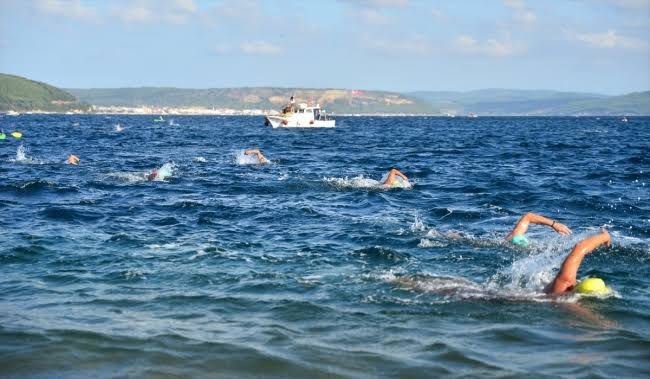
(608, 239)
(561, 228)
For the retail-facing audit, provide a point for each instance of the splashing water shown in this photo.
(398, 182)
(242, 159)
(356, 182)
(20, 153)
(22, 157)
(367, 183)
(165, 171)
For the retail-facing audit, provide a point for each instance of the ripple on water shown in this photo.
(308, 267)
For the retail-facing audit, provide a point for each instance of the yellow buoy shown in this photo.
(16, 134)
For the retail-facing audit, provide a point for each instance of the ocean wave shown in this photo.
(380, 254)
(23, 158)
(361, 182)
(61, 213)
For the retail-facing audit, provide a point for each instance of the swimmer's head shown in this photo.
(73, 159)
(521, 241)
(592, 286)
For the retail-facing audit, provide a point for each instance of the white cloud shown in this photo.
(372, 17)
(515, 4)
(379, 3)
(491, 47)
(436, 13)
(525, 17)
(185, 6)
(259, 48)
(521, 13)
(168, 11)
(411, 46)
(390, 3)
(67, 8)
(611, 40)
(630, 4)
(222, 49)
(136, 14)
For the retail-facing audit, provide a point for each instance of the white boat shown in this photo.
(13, 113)
(303, 117)
(624, 119)
(159, 119)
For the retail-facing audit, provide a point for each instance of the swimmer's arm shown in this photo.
(398, 173)
(532, 218)
(261, 158)
(566, 278)
(390, 177)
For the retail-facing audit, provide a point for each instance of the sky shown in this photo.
(597, 46)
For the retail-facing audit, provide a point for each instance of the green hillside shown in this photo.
(20, 94)
(637, 103)
(502, 102)
(333, 100)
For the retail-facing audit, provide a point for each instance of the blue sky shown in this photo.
(598, 46)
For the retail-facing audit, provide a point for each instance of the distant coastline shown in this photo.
(28, 96)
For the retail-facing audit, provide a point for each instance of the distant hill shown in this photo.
(502, 102)
(333, 100)
(487, 102)
(21, 94)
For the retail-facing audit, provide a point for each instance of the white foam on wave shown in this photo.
(366, 183)
(200, 159)
(165, 246)
(418, 225)
(242, 159)
(23, 158)
(135, 274)
(522, 280)
(452, 287)
(128, 177)
(356, 182)
(424, 242)
(166, 171)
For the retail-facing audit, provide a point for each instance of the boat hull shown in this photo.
(296, 122)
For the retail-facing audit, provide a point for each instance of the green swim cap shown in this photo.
(520, 241)
(592, 286)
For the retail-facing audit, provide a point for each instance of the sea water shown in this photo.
(308, 266)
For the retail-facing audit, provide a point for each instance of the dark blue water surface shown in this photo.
(305, 267)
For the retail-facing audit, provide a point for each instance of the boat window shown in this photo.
(316, 114)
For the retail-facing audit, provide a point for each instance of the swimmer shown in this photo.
(391, 178)
(165, 171)
(72, 159)
(565, 281)
(153, 174)
(517, 236)
(260, 158)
